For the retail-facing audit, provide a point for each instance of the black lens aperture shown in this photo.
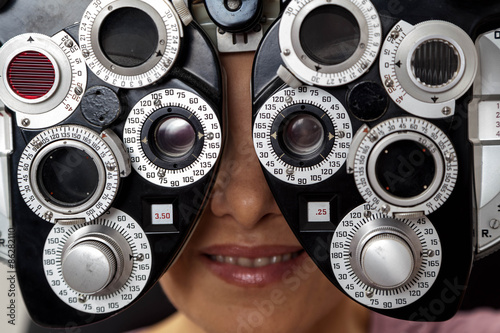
(329, 35)
(128, 37)
(405, 169)
(68, 177)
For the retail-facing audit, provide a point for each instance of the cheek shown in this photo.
(303, 298)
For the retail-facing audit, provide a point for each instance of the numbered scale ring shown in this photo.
(173, 137)
(426, 67)
(383, 262)
(99, 266)
(43, 78)
(405, 165)
(329, 43)
(69, 173)
(302, 136)
(130, 44)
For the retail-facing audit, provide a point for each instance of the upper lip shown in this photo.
(252, 252)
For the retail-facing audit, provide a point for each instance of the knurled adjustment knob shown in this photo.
(387, 261)
(91, 264)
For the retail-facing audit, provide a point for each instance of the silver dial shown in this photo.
(302, 136)
(130, 58)
(334, 57)
(426, 67)
(50, 173)
(405, 165)
(98, 266)
(42, 100)
(383, 262)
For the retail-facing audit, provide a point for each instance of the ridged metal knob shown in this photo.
(89, 266)
(387, 261)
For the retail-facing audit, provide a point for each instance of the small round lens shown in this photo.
(303, 135)
(329, 35)
(175, 136)
(405, 169)
(68, 177)
(128, 37)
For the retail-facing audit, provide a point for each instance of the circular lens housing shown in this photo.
(175, 136)
(330, 35)
(405, 169)
(303, 135)
(128, 37)
(68, 177)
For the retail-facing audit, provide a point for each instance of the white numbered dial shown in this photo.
(109, 65)
(302, 136)
(405, 165)
(69, 173)
(42, 100)
(143, 142)
(426, 67)
(302, 34)
(383, 262)
(99, 266)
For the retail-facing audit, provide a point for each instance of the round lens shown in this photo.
(175, 136)
(329, 35)
(303, 135)
(405, 169)
(128, 37)
(68, 177)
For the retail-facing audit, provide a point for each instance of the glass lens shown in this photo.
(175, 136)
(329, 35)
(303, 135)
(128, 37)
(68, 177)
(405, 169)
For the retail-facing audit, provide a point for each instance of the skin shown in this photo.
(242, 211)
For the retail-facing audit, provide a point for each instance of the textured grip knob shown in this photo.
(387, 261)
(89, 266)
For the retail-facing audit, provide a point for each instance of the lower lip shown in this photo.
(254, 276)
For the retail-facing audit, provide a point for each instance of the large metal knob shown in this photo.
(91, 264)
(387, 261)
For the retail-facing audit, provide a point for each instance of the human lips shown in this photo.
(251, 266)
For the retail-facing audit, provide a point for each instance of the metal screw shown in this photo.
(48, 215)
(110, 8)
(161, 173)
(157, 103)
(290, 171)
(139, 257)
(162, 42)
(449, 157)
(68, 43)
(78, 90)
(110, 167)
(389, 83)
(82, 298)
(286, 52)
(25, 122)
(494, 224)
(372, 137)
(385, 209)
(220, 31)
(364, 65)
(210, 136)
(362, 45)
(446, 111)
(288, 99)
(113, 67)
(341, 134)
(430, 253)
(85, 53)
(394, 34)
(368, 214)
(369, 293)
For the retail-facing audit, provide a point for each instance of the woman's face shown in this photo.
(243, 270)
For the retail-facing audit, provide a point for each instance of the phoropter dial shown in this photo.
(98, 266)
(43, 78)
(71, 173)
(173, 137)
(302, 136)
(383, 262)
(130, 43)
(426, 67)
(404, 165)
(329, 43)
